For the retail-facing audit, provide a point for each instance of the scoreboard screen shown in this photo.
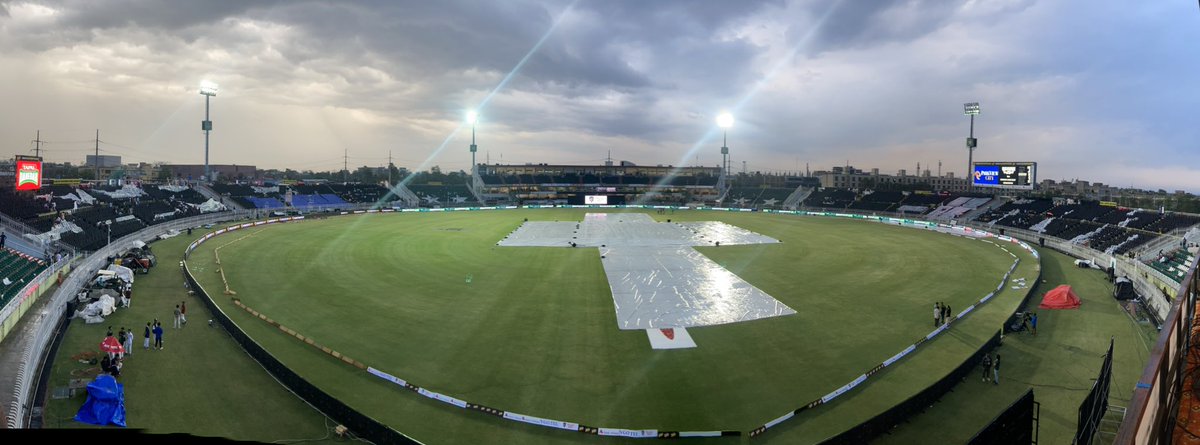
(595, 199)
(1013, 175)
(28, 173)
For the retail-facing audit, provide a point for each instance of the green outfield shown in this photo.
(533, 330)
(201, 383)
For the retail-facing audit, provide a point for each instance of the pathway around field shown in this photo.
(658, 280)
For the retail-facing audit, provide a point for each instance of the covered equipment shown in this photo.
(105, 404)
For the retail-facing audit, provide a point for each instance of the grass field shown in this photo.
(534, 330)
(1060, 364)
(201, 383)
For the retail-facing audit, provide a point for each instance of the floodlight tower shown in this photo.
(725, 120)
(208, 90)
(971, 109)
(473, 117)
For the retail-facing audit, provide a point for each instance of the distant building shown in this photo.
(104, 161)
(221, 172)
(849, 177)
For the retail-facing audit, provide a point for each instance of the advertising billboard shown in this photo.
(1011, 175)
(29, 173)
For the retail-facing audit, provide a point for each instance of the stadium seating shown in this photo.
(756, 196)
(445, 194)
(1174, 264)
(830, 198)
(18, 269)
(261, 203)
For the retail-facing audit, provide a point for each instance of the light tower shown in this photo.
(472, 117)
(971, 109)
(208, 90)
(725, 120)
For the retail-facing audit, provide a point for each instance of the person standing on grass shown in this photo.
(128, 341)
(121, 340)
(178, 315)
(945, 313)
(146, 334)
(1033, 322)
(996, 370)
(937, 314)
(111, 354)
(987, 367)
(183, 311)
(158, 333)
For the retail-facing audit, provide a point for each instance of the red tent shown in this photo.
(1061, 297)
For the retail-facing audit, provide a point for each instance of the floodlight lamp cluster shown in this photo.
(208, 88)
(971, 109)
(725, 120)
(472, 117)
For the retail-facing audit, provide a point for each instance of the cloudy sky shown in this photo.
(1091, 89)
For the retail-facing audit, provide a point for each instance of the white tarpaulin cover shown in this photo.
(211, 206)
(630, 229)
(121, 272)
(656, 278)
(661, 287)
(125, 192)
(85, 197)
(96, 310)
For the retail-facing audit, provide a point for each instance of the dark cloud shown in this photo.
(870, 82)
(850, 24)
(153, 14)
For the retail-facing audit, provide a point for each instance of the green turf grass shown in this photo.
(534, 332)
(1060, 364)
(201, 383)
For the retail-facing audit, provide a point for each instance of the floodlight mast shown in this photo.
(971, 109)
(208, 90)
(472, 117)
(725, 120)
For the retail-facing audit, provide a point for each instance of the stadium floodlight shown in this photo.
(472, 118)
(725, 120)
(971, 109)
(208, 89)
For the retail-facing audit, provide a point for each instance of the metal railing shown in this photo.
(1150, 418)
(15, 227)
(86, 267)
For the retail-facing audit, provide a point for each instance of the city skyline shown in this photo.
(1086, 89)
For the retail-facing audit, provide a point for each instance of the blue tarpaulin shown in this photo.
(105, 404)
